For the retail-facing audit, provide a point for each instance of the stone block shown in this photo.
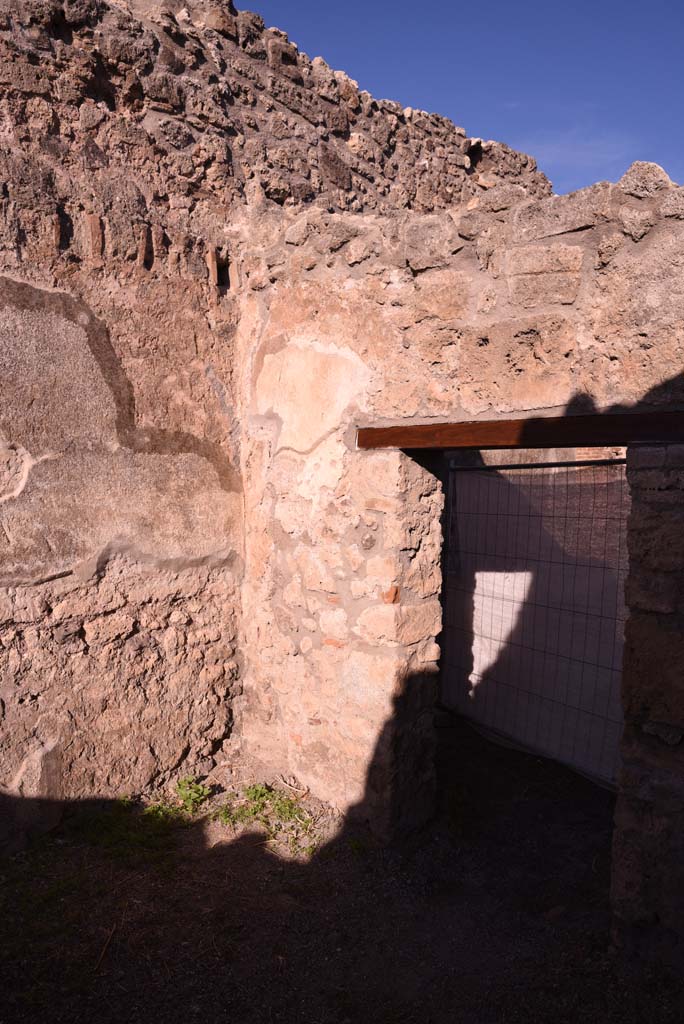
(673, 203)
(650, 457)
(518, 364)
(222, 22)
(400, 624)
(647, 885)
(674, 455)
(656, 535)
(333, 623)
(636, 222)
(643, 180)
(545, 259)
(430, 241)
(442, 294)
(529, 291)
(653, 681)
(544, 275)
(115, 627)
(653, 591)
(557, 215)
(94, 235)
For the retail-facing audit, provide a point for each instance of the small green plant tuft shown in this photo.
(285, 807)
(234, 815)
(258, 795)
(127, 831)
(281, 816)
(192, 794)
(163, 813)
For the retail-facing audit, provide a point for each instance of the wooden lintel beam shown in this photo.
(597, 429)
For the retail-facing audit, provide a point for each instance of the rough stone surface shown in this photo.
(217, 258)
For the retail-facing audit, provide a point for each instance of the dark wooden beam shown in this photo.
(597, 429)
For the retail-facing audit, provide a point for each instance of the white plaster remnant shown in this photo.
(308, 386)
(15, 468)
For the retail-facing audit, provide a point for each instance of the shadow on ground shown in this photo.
(496, 912)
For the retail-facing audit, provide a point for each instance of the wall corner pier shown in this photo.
(648, 849)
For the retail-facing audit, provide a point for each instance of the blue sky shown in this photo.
(586, 87)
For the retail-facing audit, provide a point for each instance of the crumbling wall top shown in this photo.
(233, 109)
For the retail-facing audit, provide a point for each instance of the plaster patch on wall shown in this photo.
(15, 466)
(15, 469)
(308, 387)
(322, 470)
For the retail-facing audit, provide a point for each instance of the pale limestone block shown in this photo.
(541, 275)
(556, 215)
(545, 259)
(636, 222)
(427, 653)
(355, 557)
(383, 571)
(378, 624)
(443, 294)
(399, 624)
(371, 680)
(333, 623)
(419, 621)
(293, 595)
(315, 568)
(373, 474)
(430, 241)
(292, 513)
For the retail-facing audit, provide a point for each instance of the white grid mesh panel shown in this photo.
(534, 607)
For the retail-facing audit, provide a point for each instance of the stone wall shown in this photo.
(143, 148)
(119, 565)
(217, 259)
(648, 876)
(529, 308)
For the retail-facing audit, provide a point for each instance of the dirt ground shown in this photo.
(497, 913)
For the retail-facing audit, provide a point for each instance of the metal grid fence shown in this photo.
(534, 607)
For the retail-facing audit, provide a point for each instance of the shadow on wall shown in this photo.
(534, 571)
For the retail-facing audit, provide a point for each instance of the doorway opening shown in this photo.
(505, 624)
(534, 566)
(534, 610)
